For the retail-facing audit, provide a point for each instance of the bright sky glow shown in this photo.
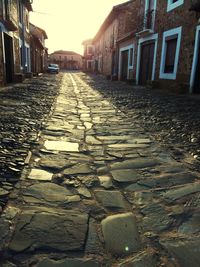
(69, 22)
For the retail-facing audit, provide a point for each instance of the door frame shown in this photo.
(195, 58)
(154, 38)
(130, 67)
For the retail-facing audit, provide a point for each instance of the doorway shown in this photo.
(9, 62)
(146, 62)
(124, 65)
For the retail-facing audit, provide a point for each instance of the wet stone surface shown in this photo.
(98, 187)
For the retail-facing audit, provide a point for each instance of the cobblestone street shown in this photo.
(105, 175)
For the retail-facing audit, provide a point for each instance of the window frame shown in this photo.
(91, 62)
(154, 13)
(195, 58)
(166, 35)
(88, 50)
(171, 5)
(130, 66)
(154, 38)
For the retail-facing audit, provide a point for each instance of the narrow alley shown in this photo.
(96, 186)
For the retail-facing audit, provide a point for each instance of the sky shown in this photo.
(69, 22)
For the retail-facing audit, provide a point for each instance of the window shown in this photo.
(20, 12)
(6, 9)
(27, 22)
(90, 49)
(126, 56)
(149, 15)
(170, 53)
(89, 65)
(173, 4)
(131, 57)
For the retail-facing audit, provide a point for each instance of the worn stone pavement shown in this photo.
(100, 191)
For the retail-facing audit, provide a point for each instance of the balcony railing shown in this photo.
(8, 17)
(149, 20)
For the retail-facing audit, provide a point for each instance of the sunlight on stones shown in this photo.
(41, 175)
(61, 146)
(121, 234)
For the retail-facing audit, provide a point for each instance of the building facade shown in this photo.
(166, 45)
(14, 40)
(152, 42)
(67, 60)
(115, 27)
(39, 53)
(88, 56)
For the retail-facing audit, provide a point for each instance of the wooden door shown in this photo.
(124, 65)
(146, 62)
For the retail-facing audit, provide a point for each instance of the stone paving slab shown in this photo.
(68, 262)
(42, 228)
(61, 146)
(121, 234)
(49, 193)
(185, 250)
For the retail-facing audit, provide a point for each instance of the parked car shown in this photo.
(53, 68)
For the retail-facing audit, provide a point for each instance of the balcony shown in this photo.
(147, 24)
(9, 17)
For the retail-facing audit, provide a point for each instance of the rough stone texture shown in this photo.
(5, 224)
(84, 192)
(156, 218)
(69, 262)
(61, 146)
(121, 234)
(55, 164)
(126, 146)
(127, 175)
(41, 175)
(191, 225)
(93, 244)
(50, 193)
(3, 192)
(177, 193)
(79, 168)
(134, 164)
(105, 181)
(144, 259)
(186, 251)
(45, 228)
(92, 140)
(110, 199)
(169, 180)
